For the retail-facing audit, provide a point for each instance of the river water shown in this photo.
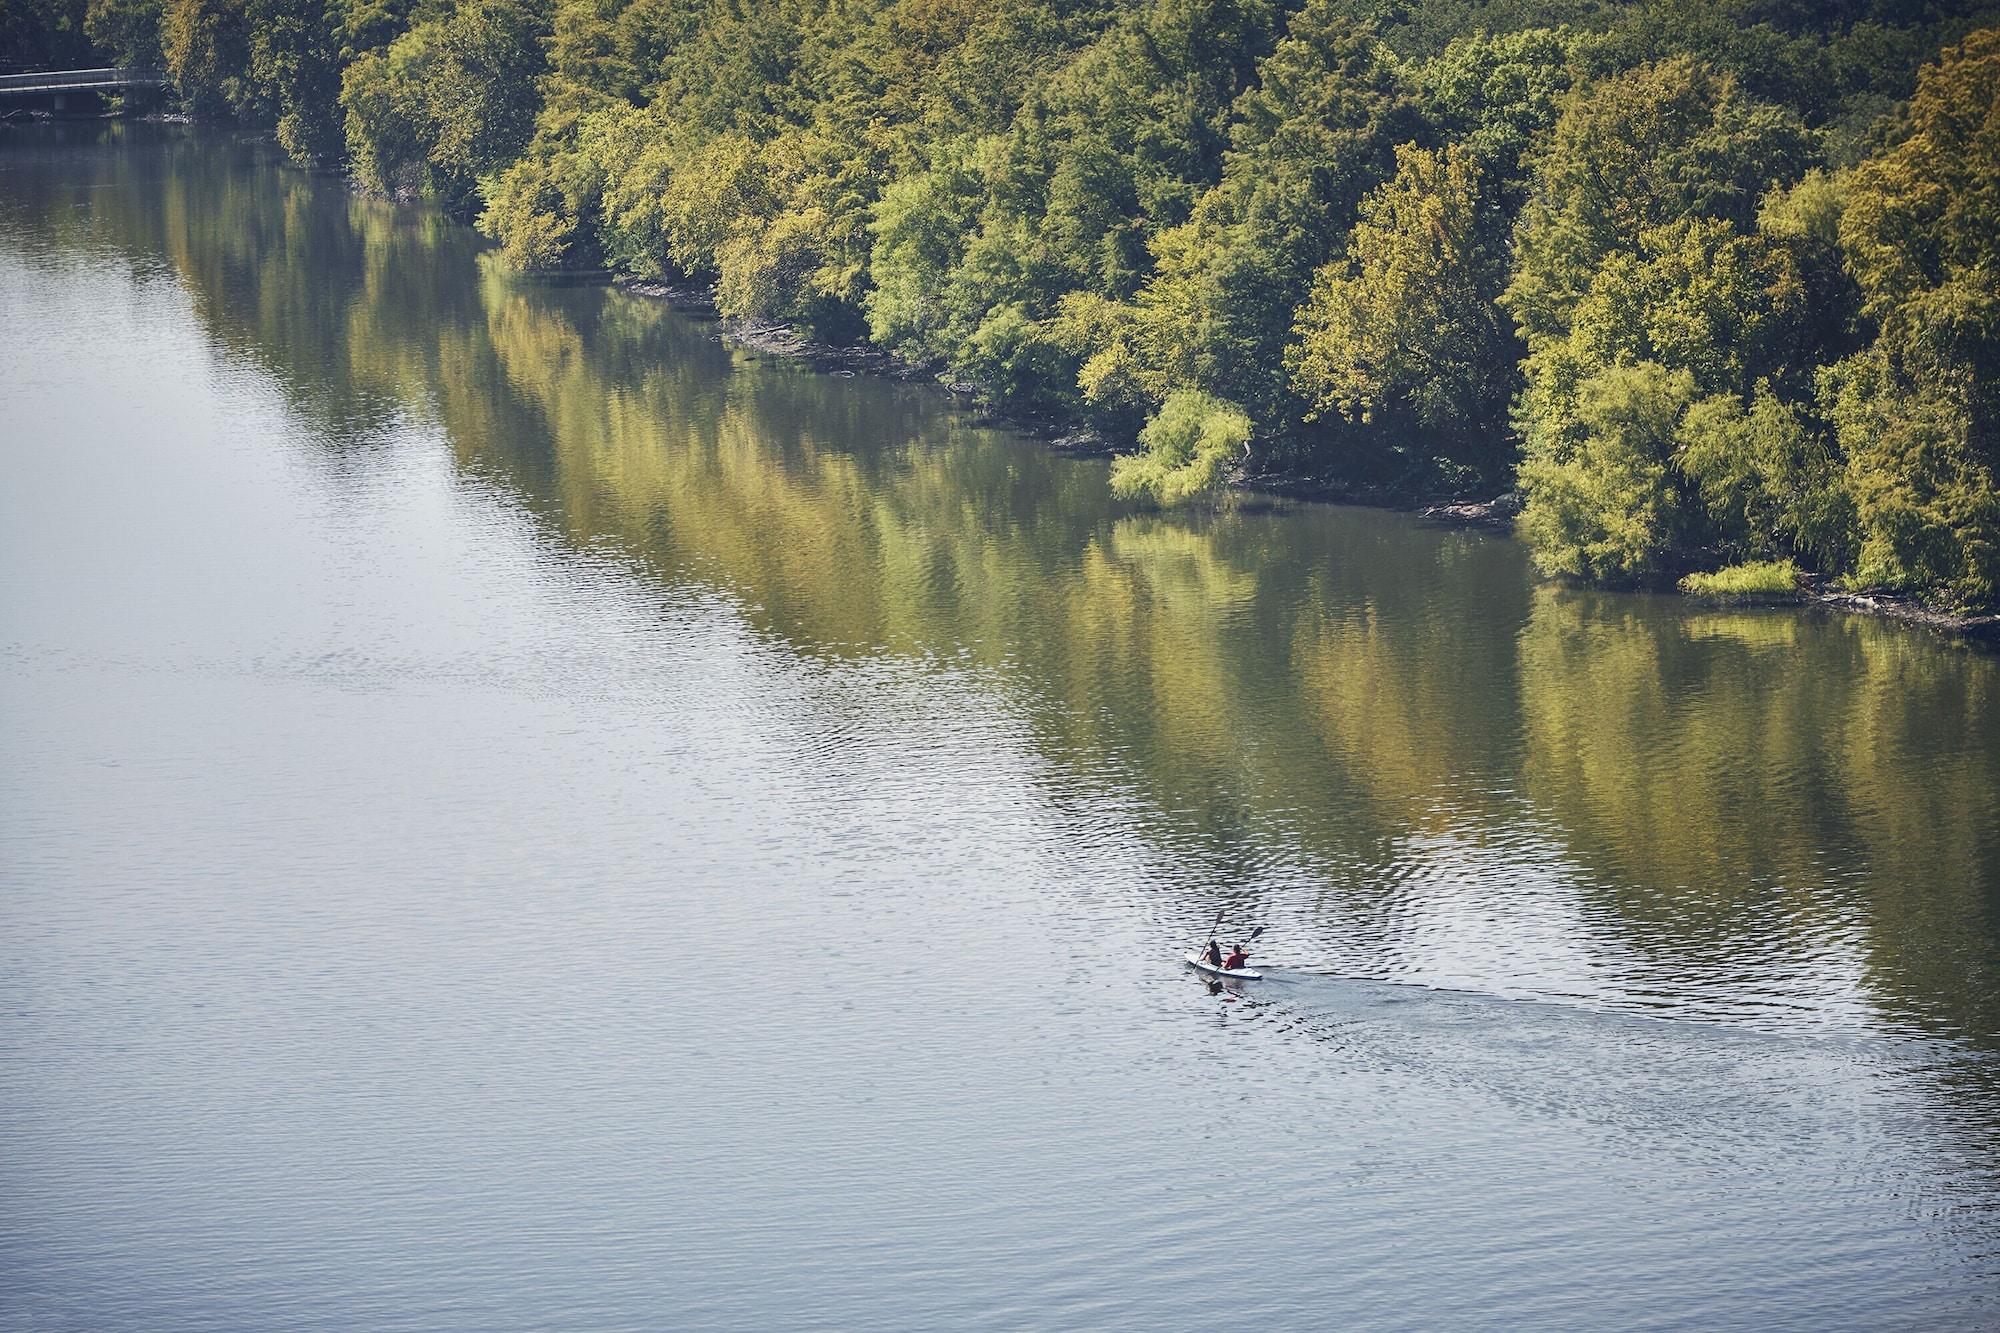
(516, 815)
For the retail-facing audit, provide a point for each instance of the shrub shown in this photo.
(1756, 581)
(1188, 443)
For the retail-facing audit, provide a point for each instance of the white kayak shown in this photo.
(1199, 964)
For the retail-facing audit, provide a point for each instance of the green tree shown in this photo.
(448, 102)
(126, 31)
(1496, 95)
(1125, 138)
(546, 210)
(293, 64)
(1609, 509)
(923, 223)
(1317, 132)
(1634, 251)
(206, 45)
(1694, 296)
(1917, 411)
(1650, 147)
(1768, 479)
(1922, 477)
(1405, 325)
(387, 117)
(45, 33)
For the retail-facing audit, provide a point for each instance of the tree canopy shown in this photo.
(1709, 283)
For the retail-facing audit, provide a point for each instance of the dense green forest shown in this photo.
(1713, 286)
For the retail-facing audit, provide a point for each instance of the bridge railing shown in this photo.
(53, 80)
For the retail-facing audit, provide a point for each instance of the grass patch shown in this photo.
(1755, 581)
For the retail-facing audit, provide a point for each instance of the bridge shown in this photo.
(57, 86)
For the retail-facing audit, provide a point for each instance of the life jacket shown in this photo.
(1236, 959)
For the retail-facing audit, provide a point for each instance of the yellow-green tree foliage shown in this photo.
(1918, 412)
(1406, 321)
(1712, 282)
(1188, 444)
(1641, 287)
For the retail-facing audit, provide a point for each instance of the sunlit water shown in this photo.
(514, 815)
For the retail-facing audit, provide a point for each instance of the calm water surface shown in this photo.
(515, 815)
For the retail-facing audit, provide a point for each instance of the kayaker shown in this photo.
(1212, 955)
(1238, 956)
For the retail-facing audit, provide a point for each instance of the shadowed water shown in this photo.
(516, 815)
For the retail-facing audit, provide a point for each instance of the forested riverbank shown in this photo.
(1713, 287)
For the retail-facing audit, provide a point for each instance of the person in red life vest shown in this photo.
(1238, 956)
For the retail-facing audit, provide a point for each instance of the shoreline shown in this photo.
(1982, 628)
(776, 338)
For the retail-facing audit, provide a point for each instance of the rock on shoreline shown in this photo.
(1499, 512)
(1891, 606)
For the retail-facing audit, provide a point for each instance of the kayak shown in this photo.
(1196, 962)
